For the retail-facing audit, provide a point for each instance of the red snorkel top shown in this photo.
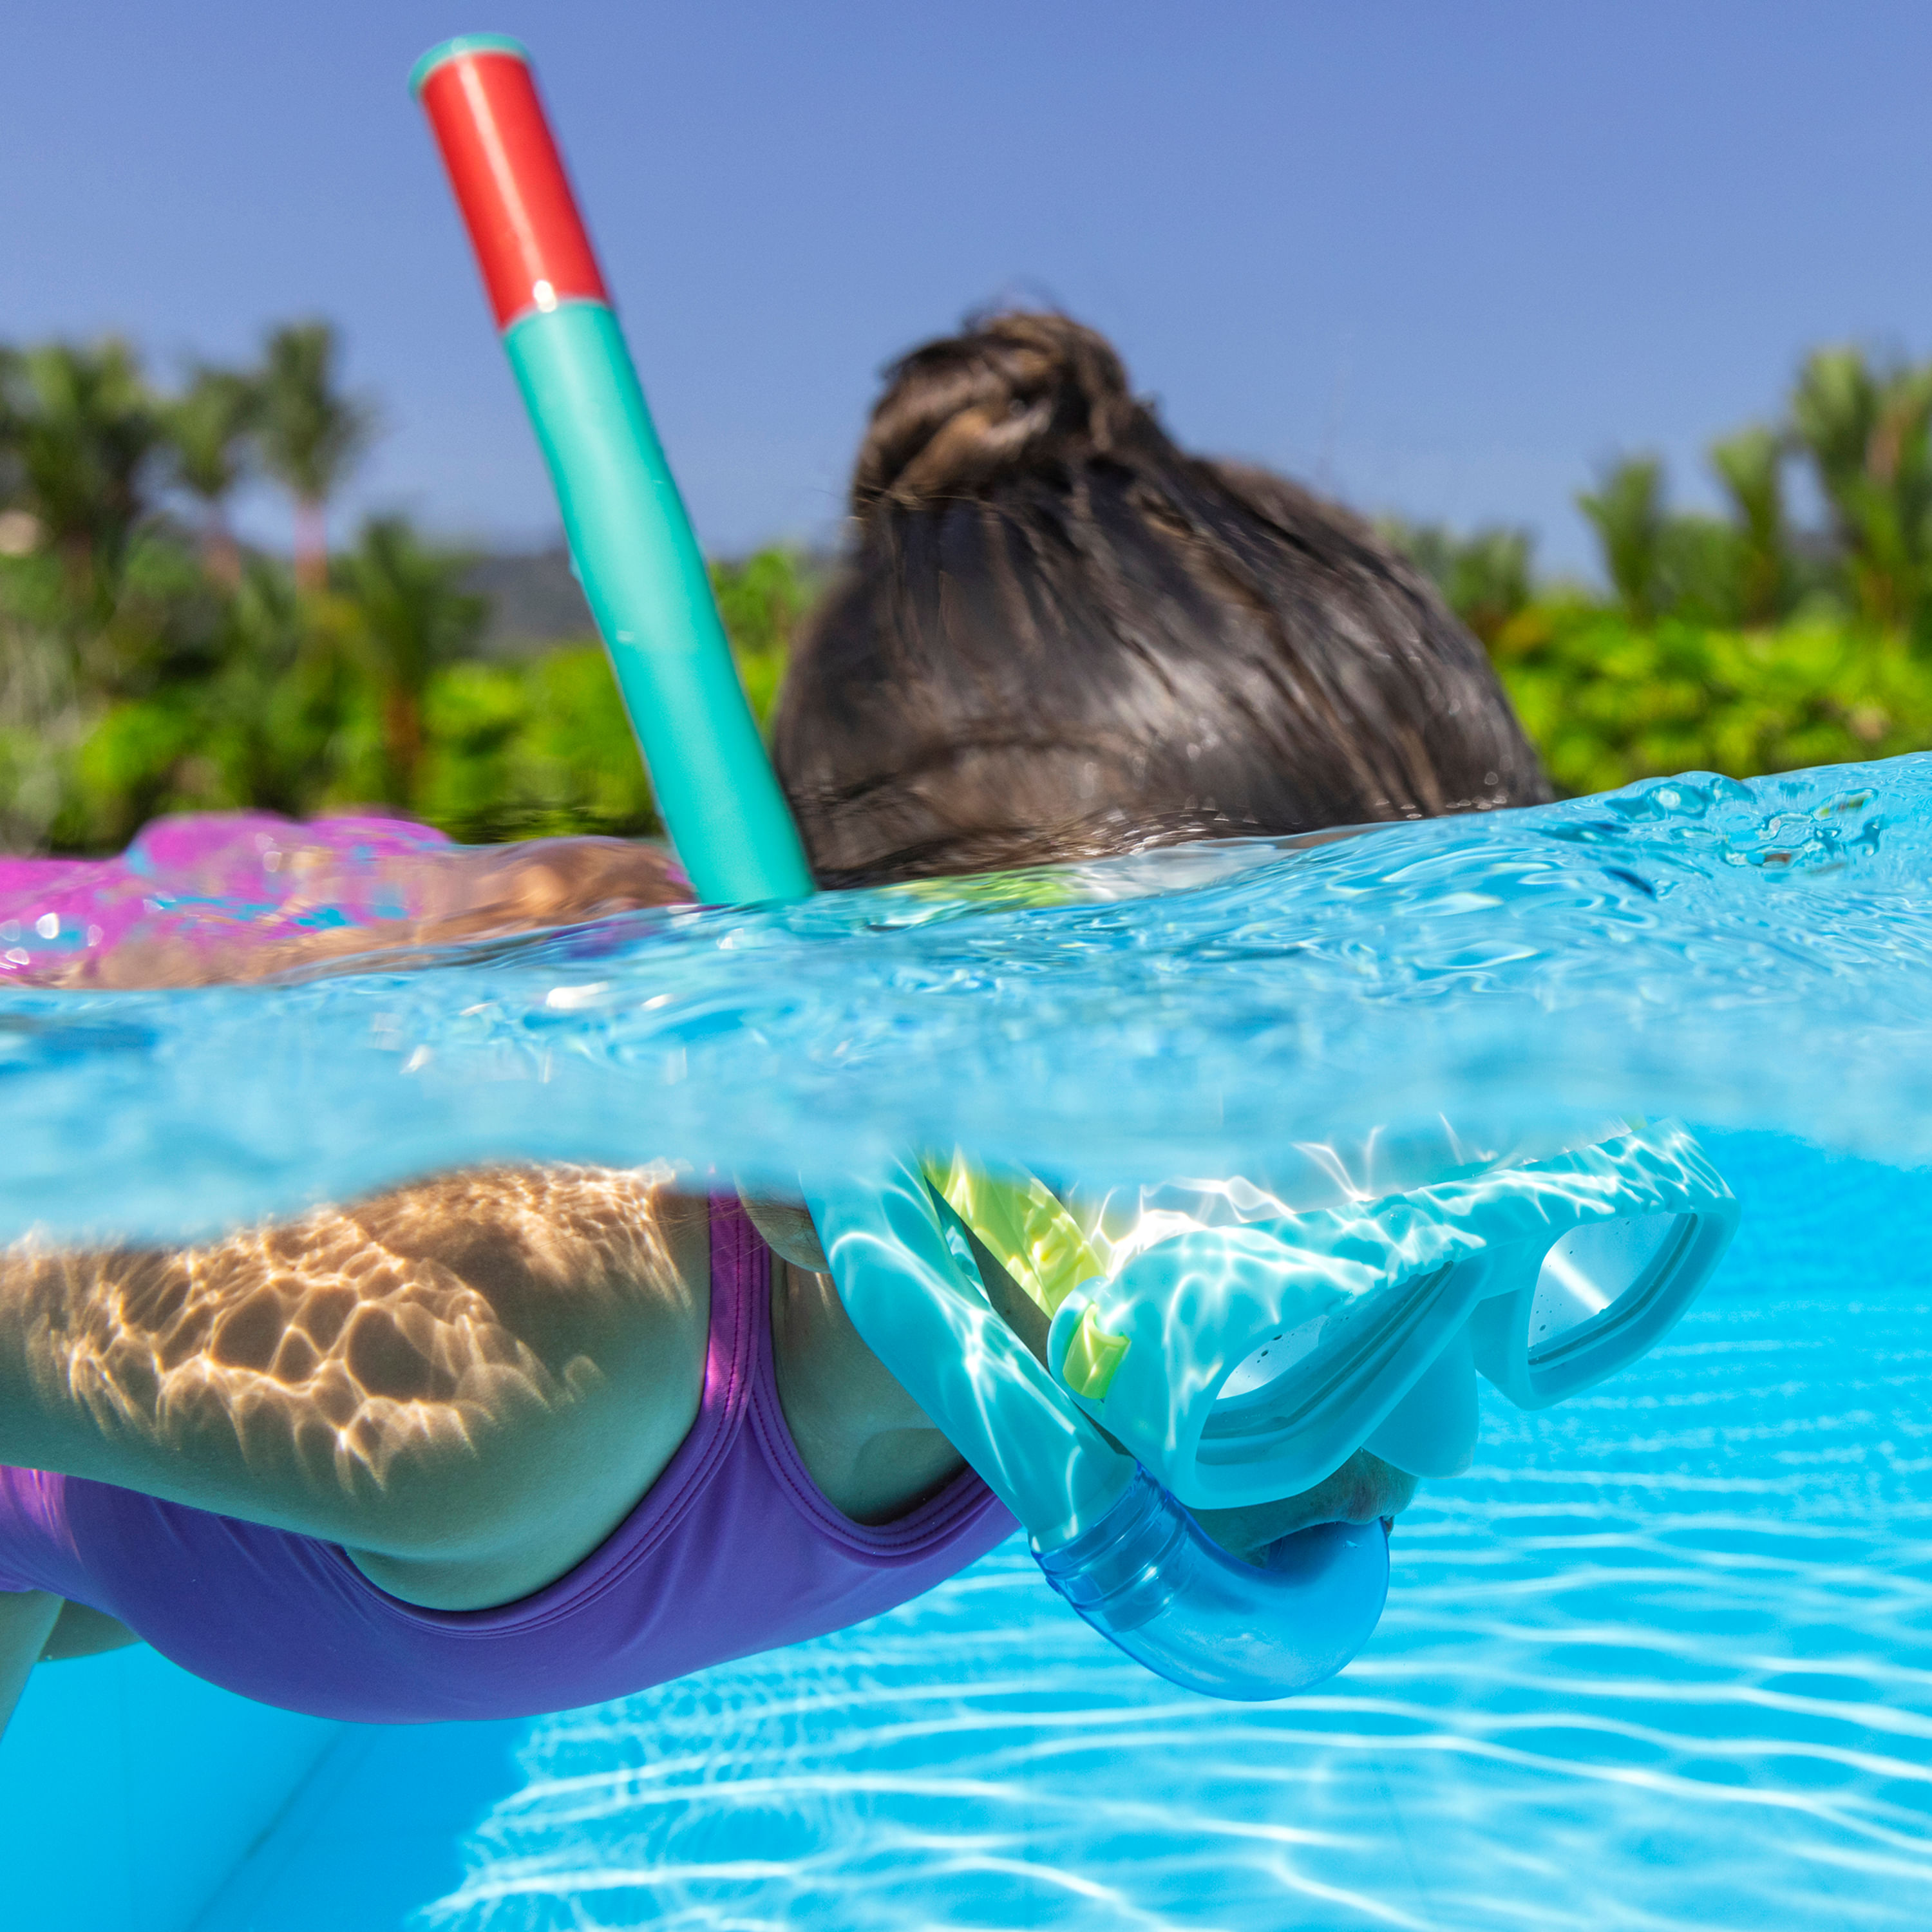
(516, 198)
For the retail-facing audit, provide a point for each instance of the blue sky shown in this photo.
(1441, 258)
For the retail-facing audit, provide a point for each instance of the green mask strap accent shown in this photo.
(1092, 1357)
(1022, 1226)
(1029, 889)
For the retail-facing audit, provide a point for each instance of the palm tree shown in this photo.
(82, 425)
(1868, 433)
(1627, 511)
(414, 615)
(310, 433)
(1750, 467)
(208, 426)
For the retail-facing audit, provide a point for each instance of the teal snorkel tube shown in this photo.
(631, 542)
(1116, 1544)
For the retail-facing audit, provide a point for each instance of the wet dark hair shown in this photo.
(1058, 634)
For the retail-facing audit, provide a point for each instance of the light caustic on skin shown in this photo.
(330, 1346)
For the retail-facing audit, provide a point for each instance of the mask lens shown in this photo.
(1274, 1358)
(1598, 1277)
(1285, 1382)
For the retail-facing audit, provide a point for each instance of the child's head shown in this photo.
(1059, 634)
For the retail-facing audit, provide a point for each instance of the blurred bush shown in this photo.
(148, 665)
(1608, 699)
(1737, 641)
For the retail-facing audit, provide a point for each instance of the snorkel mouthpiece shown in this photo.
(1150, 1579)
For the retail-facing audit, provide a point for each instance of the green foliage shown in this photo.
(1749, 466)
(41, 714)
(208, 426)
(532, 750)
(146, 668)
(1866, 429)
(1626, 509)
(543, 747)
(1607, 701)
(1699, 566)
(303, 703)
(279, 713)
(762, 599)
(413, 617)
(81, 427)
(1734, 643)
(309, 432)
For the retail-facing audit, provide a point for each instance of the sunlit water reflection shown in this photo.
(1754, 956)
(1662, 1659)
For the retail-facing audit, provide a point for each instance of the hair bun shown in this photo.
(1011, 391)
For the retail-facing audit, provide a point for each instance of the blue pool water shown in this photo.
(1662, 1659)
(1748, 955)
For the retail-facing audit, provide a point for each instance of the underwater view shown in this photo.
(1662, 1656)
(972, 1166)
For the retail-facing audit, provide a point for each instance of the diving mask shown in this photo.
(1245, 1358)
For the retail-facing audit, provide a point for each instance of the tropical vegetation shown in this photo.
(150, 661)
(1743, 642)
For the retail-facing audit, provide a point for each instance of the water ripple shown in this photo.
(1663, 1659)
(1509, 971)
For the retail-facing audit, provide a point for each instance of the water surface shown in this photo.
(1757, 956)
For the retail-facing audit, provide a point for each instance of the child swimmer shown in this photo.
(498, 1443)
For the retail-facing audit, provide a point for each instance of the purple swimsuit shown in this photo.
(732, 1550)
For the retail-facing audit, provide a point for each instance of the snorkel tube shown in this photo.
(630, 542)
(1118, 1547)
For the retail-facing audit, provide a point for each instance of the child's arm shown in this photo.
(467, 1383)
(26, 1618)
(458, 893)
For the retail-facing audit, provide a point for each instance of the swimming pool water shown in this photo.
(1755, 956)
(1662, 1659)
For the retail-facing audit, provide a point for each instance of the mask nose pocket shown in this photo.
(1431, 1431)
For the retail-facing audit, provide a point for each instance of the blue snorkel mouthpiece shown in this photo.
(1150, 1579)
(1122, 1551)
